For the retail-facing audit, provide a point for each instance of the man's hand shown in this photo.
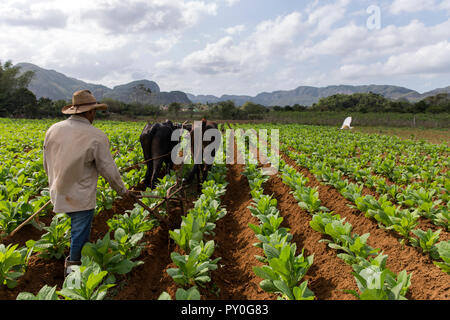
(130, 194)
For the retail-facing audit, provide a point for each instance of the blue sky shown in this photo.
(233, 46)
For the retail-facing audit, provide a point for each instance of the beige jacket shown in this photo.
(75, 154)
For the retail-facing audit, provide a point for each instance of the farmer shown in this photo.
(75, 154)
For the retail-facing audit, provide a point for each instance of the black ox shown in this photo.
(157, 147)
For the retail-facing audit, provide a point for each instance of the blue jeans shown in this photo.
(81, 230)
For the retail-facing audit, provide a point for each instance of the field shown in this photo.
(349, 215)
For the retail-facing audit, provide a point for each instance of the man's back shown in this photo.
(75, 152)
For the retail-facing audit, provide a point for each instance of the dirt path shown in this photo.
(148, 281)
(428, 281)
(235, 240)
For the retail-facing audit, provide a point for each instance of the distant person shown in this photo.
(347, 124)
(75, 154)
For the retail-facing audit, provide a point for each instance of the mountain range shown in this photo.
(307, 96)
(57, 86)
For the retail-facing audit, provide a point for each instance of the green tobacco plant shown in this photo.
(355, 248)
(108, 256)
(46, 293)
(302, 292)
(182, 295)
(427, 241)
(322, 219)
(443, 249)
(86, 282)
(133, 221)
(292, 178)
(442, 218)
(55, 241)
(269, 225)
(213, 190)
(405, 222)
(12, 214)
(352, 191)
(13, 264)
(210, 208)
(127, 244)
(284, 271)
(255, 176)
(376, 282)
(308, 199)
(105, 196)
(275, 241)
(207, 249)
(190, 230)
(263, 205)
(193, 269)
(339, 231)
(218, 174)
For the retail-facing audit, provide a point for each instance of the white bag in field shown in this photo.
(347, 124)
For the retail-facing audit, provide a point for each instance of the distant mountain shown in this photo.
(57, 86)
(309, 95)
(436, 92)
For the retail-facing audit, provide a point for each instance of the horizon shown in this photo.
(226, 47)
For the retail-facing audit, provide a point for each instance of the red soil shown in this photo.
(236, 279)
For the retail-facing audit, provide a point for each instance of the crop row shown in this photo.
(283, 271)
(193, 268)
(374, 280)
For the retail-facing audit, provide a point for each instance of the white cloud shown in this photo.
(356, 42)
(37, 15)
(401, 6)
(276, 36)
(113, 16)
(321, 19)
(271, 37)
(216, 58)
(429, 60)
(445, 5)
(149, 16)
(231, 3)
(235, 30)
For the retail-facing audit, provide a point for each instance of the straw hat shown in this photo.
(83, 101)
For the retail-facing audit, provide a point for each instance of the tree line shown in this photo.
(19, 102)
(372, 102)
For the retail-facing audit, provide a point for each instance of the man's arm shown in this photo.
(107, 167)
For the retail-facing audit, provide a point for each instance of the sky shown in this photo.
(241, 47)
